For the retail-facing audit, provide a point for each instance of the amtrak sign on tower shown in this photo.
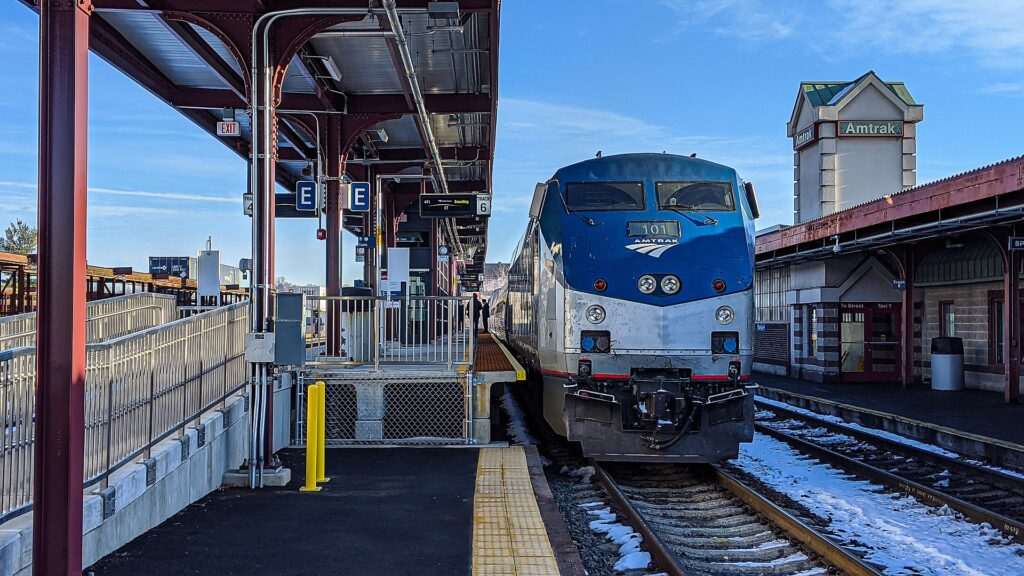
(887, 128)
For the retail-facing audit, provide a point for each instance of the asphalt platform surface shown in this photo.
(974, 411)
(387, 511)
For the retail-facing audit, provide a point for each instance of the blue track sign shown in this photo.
(899, 284)
(1016, 243)
(305, 195)
(358, 197)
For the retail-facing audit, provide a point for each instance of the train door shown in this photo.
(869, 343)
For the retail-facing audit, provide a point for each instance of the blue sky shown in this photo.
(715, 77)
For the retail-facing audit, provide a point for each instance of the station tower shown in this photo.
(852, 142)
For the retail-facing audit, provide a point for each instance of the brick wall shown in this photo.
(971, 311)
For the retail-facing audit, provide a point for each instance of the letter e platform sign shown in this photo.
(359, 197)
(305, 195)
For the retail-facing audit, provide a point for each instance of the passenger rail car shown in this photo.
(630, 298)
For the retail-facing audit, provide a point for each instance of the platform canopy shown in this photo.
(195, 55)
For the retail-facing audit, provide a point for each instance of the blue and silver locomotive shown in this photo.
(630, 298)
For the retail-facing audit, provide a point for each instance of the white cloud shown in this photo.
(989, 32)
(1003, 89)
(752, 20)
(536, 138)
(180, 196)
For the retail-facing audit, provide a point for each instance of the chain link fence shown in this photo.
(392, 407)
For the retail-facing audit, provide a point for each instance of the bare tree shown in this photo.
(19, 238)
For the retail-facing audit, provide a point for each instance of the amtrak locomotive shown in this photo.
(630, 298)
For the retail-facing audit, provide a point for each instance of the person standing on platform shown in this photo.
(476, 313)
(486, 313)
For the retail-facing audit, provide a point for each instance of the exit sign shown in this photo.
(230, 129)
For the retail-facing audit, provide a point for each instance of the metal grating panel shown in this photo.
(393, 407)
(219, 47)
(150, 37)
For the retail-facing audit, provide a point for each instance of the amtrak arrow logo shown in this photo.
(653, 249)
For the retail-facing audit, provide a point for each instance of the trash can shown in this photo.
(947, 363)
(357, 321)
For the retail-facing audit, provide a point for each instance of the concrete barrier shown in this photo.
(138, 507)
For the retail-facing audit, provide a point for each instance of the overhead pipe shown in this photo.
(440, 182)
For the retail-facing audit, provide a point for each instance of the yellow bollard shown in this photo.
(321, 471)
(312, 435)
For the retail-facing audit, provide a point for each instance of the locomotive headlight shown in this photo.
(724, 315)
(670, 284)
(647, 284)
(595, 314)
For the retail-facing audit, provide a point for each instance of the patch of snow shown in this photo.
(516, 420)
(584, 473)
(634, 561)
(630, 555)
(888, 436)
(895, 531)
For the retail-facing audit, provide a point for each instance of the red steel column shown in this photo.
(1011, 323)
(335, 170)
(909, 269)
(60, 335)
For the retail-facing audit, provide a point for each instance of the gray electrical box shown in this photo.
(289, 325)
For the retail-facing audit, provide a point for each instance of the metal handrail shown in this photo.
(140, 389)
(380, 331)
(19, 330)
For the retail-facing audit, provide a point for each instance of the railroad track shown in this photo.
(699, 520)
(980, 493)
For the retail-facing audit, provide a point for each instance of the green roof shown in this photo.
(829, 93)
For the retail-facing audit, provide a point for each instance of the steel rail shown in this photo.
(810, 538)
(660, 553)
(927, 495)
(995, 477)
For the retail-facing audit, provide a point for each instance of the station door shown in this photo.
(869, 343)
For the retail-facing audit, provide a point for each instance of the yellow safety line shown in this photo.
(520, 373)
(509, 536)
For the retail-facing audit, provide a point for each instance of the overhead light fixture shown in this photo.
(443, 10)
(381, 134)
(332, 68)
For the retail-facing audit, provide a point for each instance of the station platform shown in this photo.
(973, 422)
(422, 511)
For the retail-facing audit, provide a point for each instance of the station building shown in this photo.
(874, 266)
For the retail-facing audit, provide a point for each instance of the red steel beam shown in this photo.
(335, 169)
(987, 182)
(60, 332)
(258, 6)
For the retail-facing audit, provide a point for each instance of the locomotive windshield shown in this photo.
(604, 196)
(715, 196)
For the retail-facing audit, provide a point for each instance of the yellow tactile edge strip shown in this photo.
(509, 536)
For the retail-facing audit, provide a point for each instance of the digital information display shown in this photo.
(654, 229)
(447, 205)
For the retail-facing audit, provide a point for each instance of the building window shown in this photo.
(812, 333)
(770, 287)
(947, 318)
(996, 334)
